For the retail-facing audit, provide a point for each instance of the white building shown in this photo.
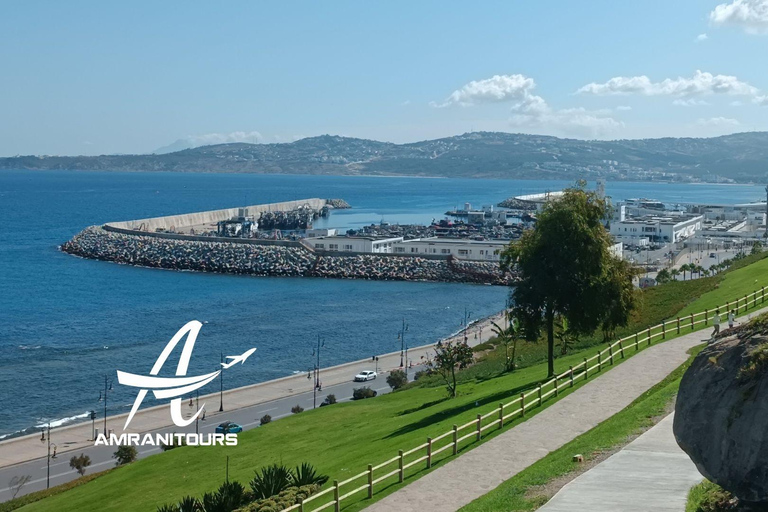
(311, 233)
(354, 244)
(460, 248)
(658, 228)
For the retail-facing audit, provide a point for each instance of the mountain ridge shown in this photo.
(740, 157)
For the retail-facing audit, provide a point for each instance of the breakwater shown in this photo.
(269, 258)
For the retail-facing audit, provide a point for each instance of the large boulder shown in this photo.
(721, 415)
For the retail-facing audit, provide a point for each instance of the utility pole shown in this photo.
(48, 473)
(221, 386)
(197, 406)
(107, 389)
(401, 335)
(317, 371)
(465, 323)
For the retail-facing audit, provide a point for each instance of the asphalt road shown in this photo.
(101, 456)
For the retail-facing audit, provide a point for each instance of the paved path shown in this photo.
(621, 482)
(484, 468)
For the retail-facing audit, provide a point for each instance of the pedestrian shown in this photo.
(731, 319)
(716, 323)
(190, 402)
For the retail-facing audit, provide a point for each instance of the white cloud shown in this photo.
(701, 37)
(575, 121)
(194, 141)
(751, 15)
(624, 107)
(700, 84)
(761, 100)
(690, 102)
(718, 121)
(497, 89)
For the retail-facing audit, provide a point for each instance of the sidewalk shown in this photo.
(78, 436)
(484, 468)
(650, 473)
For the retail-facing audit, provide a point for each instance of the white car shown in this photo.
(365, 376)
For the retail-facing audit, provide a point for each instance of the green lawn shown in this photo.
(519, 493)
(342, 439)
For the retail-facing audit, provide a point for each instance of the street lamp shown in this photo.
(107, 389)
(93, 425)
(316, 353)
(465, 322)
(401, 337)
(48, 459)
(221, 386)
(376, 360)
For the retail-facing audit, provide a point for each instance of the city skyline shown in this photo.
(86, 78)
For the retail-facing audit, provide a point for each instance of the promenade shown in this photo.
(482, 469)
(621, 483)
(79, 436)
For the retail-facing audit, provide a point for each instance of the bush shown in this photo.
(125, 454)
(709, 497)
(296, 409)
(361, 393)
(284, 499)
(271, 480)
(80, 463)
(329, 400)
(306, 475)
(227, 498)
(397, 379)
(173, 444)
(265, 419)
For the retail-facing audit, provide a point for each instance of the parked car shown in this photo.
(229, 427)
(712, 255)
(365, 375)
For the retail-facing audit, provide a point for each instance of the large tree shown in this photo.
(566, 269)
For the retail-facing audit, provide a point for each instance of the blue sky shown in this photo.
(108, 77)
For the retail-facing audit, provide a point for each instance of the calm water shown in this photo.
(65, 322)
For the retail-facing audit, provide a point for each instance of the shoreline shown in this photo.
(78, 433)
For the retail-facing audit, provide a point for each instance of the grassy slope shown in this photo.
(516, 493)
(340, 440)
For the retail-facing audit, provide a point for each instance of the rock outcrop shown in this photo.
(721, 416)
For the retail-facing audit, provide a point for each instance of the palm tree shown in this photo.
(674, 273)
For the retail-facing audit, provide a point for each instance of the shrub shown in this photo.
(125, 454)
(397, 379)
(80, 463)
(421, 373)
(307, 475)
(189, 504)
(265, 419)
(296, 409)
(329, 400)
(361, 393)
(174, 443)
(271, 480)
(283, 500)
(228, 497)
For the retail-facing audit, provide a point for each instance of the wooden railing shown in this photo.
(516, 408)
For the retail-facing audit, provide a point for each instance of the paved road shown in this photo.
(621, 482)
(101, 456)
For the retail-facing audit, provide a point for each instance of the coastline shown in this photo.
(77, 435)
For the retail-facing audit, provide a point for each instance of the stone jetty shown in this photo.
(270, 259)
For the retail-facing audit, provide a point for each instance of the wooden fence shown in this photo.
(505, 413)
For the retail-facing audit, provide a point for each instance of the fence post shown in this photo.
(610, 353)
(621, 348)
(539, 394)
(571, 367)
(429, 452)
(649, 336)
(336, 505)
(636, 339)
(678, 325)
(522, 404)
(599, 361)
(501, 415)
(746, 304)
(762, 299)
(455, 439)
(479, 425)
(557, 387)
(663, 329)
(370, 481)
(586, 369)
(401, 464)
(301, 504)
(691, 321)
(706, 316)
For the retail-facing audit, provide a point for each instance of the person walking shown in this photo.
(731, 319)
(716, 323)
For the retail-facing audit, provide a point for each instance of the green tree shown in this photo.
(663, 276)
(757, 247)
(125, 454)
(79, 463)
(508, 337)
(450, 356)
(565, 268)
(397, 379)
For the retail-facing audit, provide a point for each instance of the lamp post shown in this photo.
(316, 353)
(48, 459)
(197, 406)
(465, 322)
(93, 425)
(107, 389)
(375, 359)
(401, 336)
(221, 386)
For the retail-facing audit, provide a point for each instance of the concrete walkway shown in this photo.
(621, 483)
(484, 468)
(79, 436)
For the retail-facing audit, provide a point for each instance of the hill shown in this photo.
(741, 157)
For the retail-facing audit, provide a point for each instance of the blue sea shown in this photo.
(65, 322)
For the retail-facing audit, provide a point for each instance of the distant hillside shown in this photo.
(740, 157)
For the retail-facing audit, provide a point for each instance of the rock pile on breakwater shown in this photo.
(270, 260)
(516, 204)
(339, 204)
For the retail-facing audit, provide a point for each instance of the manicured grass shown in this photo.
(342, 439)
(19, 502)
(519, 493)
